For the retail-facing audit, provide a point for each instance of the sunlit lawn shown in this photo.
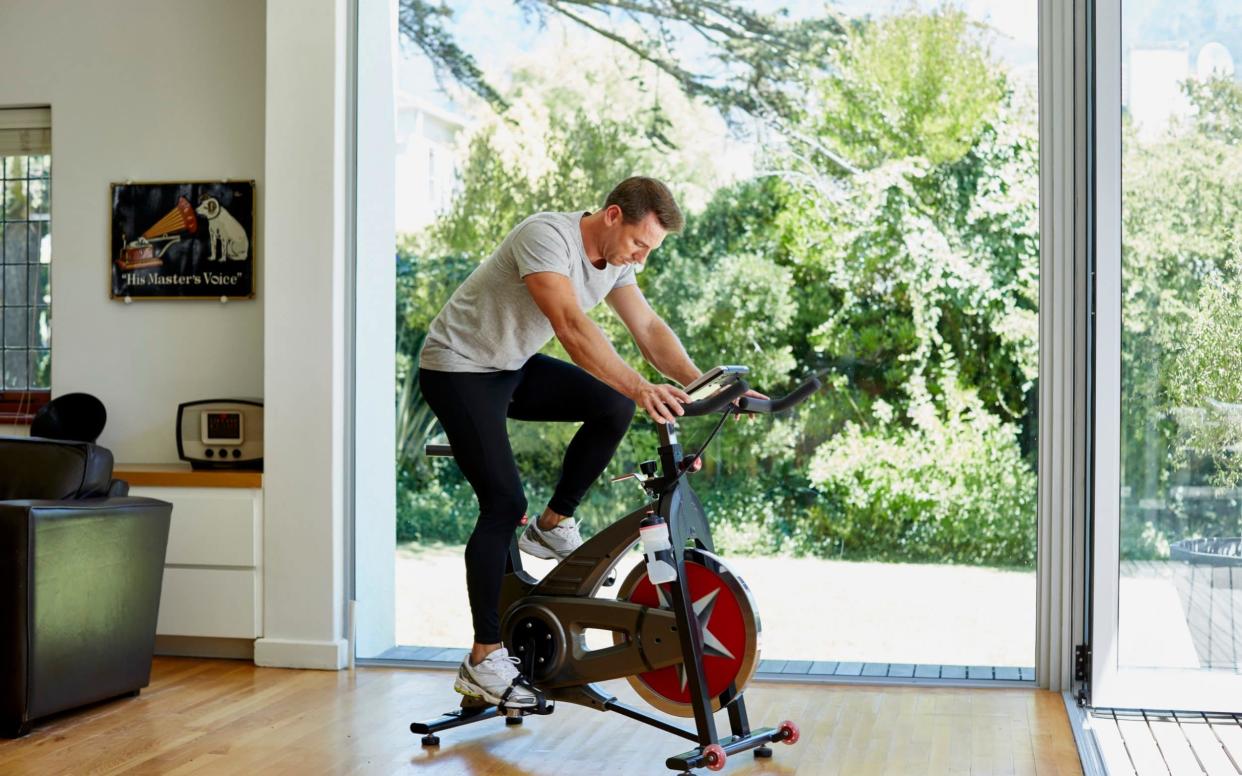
(811, 609)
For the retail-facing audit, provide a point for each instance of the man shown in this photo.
(480, 365)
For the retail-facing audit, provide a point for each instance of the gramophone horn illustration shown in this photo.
(148, 250)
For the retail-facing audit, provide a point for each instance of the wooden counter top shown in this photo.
(180, 475)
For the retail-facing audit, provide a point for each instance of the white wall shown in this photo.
(143, 90)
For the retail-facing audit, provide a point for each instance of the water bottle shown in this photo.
(658, 548)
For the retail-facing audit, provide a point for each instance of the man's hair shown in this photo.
(639, 196)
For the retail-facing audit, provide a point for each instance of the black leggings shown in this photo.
(472, 408)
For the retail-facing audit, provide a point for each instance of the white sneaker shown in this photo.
(557, 542)
(497, 681)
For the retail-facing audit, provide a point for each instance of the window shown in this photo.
(1167, 582)
(849, 231)
(25, 256)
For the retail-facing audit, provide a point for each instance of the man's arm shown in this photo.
(591, 350)
(656, 341)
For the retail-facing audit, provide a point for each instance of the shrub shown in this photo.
(951, 486)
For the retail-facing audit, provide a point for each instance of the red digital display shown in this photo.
(223, 425)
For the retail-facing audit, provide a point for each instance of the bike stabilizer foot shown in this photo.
(473, 711)
(697, 758)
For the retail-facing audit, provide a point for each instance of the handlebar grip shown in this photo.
(438, 450)
(716, 403)
(796, 396)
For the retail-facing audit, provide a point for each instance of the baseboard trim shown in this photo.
(289, 653)
(201, 646)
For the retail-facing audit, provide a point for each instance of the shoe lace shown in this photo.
(523, 690)
(515, 661)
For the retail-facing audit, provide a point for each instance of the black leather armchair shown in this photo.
(81, 566)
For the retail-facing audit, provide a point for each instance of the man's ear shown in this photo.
(612, 215)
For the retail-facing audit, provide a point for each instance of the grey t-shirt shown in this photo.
(491, 322)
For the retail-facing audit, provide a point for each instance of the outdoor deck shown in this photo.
(1179, 614)
(1162, 743)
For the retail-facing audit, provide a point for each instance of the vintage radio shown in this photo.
(221, 433)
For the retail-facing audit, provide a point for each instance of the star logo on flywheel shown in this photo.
(703, 608)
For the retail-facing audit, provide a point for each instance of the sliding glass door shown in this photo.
(1167, 614)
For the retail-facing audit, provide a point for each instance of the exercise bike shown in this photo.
(688, 647)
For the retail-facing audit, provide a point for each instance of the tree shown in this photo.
(910, 86)
(761, 53)
(1182, 258)
(423, 286)
(911, 276)
(927, 259)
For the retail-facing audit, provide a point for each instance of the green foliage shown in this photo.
(436, 504)
(913, 281)
(924, 266)
(423, 286)
(911, 85)
(1205, 382)
(1181, 322)
(1182, 254)
(498, 193)
(951, 485)
(1218, 106)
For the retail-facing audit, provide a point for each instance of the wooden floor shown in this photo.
(1164, 743)
(228, 717)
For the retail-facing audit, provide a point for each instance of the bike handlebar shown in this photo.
(712, 405)
(715, 403)
(750, 403)
(796, 396)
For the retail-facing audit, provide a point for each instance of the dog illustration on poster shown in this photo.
(223, 230)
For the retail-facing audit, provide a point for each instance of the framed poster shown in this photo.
(192, 240)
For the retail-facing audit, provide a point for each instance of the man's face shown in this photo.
(630, 243)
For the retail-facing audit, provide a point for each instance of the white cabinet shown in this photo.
(213, 574)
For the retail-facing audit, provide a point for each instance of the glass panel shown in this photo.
(15, 288)
(43, 289)
(15, 198)
(40, 369)
(16, 242)
(43, 327)
(42, 231)
(39, 204)
(40, 166)
(1180, 594)
(16, 327)
(883, 233)
(15, 369)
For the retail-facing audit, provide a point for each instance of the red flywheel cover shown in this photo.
(726, 613)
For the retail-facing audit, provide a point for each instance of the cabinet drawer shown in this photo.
(223, 603)
(212, 526)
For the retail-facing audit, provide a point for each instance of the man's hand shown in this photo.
(662, 402)
(754, 394)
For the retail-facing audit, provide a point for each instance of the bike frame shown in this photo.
(582, 573)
